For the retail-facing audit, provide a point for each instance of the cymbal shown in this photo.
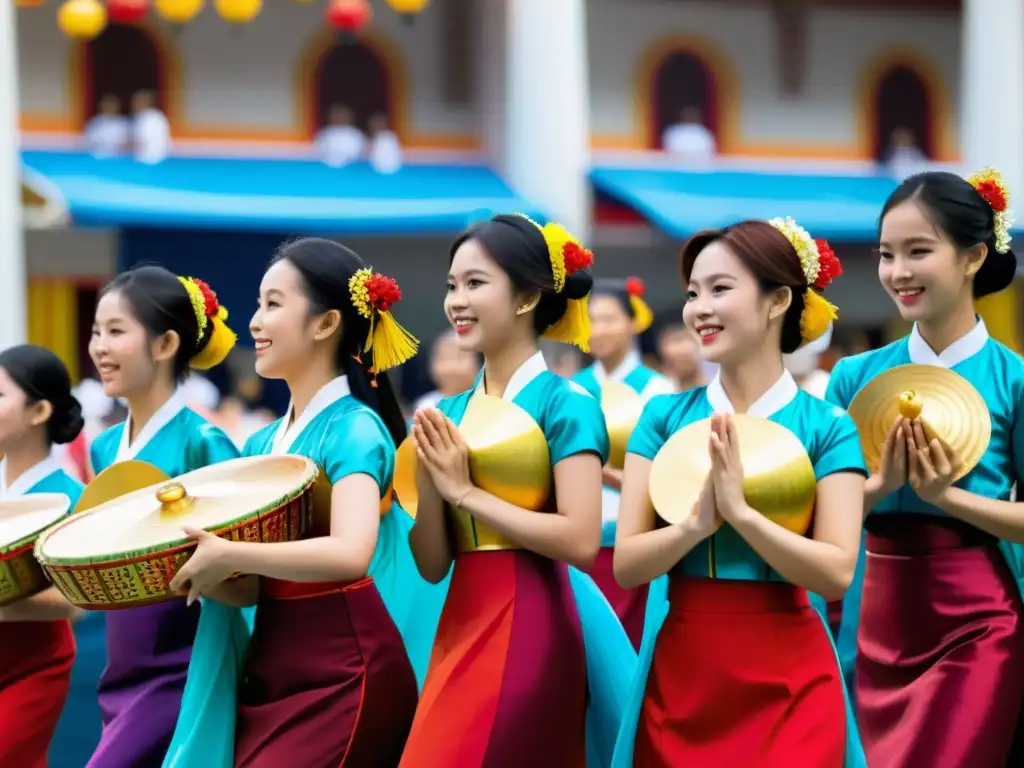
(948, 405)
(404, 481)
(117, 480)
(622, 407)
(778, 478)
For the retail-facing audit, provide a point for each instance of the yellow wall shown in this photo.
(1001, 313)
(53, 318)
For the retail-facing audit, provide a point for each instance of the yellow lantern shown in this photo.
(408, 7)
(238, 11)
(82, 19)
(179, 11)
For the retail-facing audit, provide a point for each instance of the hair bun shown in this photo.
(66, 422)
(578, 284)
(996, 273)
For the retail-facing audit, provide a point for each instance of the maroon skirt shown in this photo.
(327, 682)
(940, 650)
(630, 605)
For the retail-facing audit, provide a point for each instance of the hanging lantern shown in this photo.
(28, 3)
(348, 16)
(179, 11)
(82, 19)
(238, 11)
(408, 7)
(127, 11)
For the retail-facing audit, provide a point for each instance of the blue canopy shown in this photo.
(274, 195)
(683, 202)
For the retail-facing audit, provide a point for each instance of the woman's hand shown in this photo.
(441, 449)
(705, 520)
(933, 464)
(207, 567)
(726, 469)
(892, 466)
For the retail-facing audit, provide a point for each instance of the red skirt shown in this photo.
(630, 605)
(35, 673)
(940, 649)
(327, 682)
(743, 675)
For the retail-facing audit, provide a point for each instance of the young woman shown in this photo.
(327, 681)
(509, 680)
(151, 328)
(618, 314)
(37, 648)
(740, 668)
(941, 618)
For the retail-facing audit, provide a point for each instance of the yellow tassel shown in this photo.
(819, 313)
(389, 343)
(574, 326)
(222, 341)
(642, 315)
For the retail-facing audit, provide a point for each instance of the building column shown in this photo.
(12, 254)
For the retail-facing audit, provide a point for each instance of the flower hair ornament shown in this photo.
(820, 267)
(989, 184)
(643, 317)
(210, 314)
(389, 343)
(568, 256)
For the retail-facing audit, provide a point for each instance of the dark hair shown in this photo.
(326, 267)
(158, 300)
(518, 247)
(769, 256)
(956, 208)
(41, 375)
(615, 289)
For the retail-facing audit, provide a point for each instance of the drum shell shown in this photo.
(20, 575)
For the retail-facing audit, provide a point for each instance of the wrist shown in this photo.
(458, 499)
(742, 515)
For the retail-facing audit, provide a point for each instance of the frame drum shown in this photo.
(21, 522)
(123, 553)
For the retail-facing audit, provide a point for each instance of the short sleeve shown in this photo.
(838, 388)
(356, 442)
(575, 424)
(649, 434)
(839, 447)
(209, 446)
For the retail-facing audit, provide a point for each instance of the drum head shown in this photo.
(24, 518)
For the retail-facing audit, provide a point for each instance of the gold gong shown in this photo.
(405, 476)
(622, 407)
(778, 478)
(117, 480)
(949, 405)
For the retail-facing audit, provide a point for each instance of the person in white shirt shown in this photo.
(904, 158)
(385, 149)
(107, 132)
(151, 132)
(340, 142)
(452, 369)
(689, 139)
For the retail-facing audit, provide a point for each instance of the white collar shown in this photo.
(525, 373)
(28, 478)
(965, 347)
(778, 396)
(629, 364)
(163, 416)
(288, 431)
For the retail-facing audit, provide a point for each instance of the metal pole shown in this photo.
(12, 246)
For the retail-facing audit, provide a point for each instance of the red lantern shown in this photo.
(127, 11)
(348, 15)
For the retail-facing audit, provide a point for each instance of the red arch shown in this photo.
(122, 60)
(903, 99)
(682, 78)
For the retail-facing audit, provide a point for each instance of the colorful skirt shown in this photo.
(629, 605)
(148, 652)
(35, 673)
(507, 685)
(940, 652)
(326, 682)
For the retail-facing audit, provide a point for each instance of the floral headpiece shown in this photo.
(642, 315)
(821, 267)
(209, 311)
(568, 256)
(389, 343)
(988, 183)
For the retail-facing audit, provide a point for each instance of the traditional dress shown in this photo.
(939, 654)
(737, 667)
(148, 648)
(525, 644)
(629, 604)
(36, 657)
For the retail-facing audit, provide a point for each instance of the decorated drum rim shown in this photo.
(12, 550)
(146, 552)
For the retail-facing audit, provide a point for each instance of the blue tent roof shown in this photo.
(273, 195)
(682, 202)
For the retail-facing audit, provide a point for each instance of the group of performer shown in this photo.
(527, 604)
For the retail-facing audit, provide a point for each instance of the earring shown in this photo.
(523, 309)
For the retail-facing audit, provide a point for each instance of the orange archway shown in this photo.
(682, 81)
(902, 101)
(121, 61)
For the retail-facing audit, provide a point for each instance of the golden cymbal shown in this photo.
(117, 480)
(622, 407)
(948, 405)
(404, 481)
(778, 478)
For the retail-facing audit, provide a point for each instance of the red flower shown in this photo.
(992, 193)
(829, 267)
(635, 287)
(576, 258)
(384, 292)
(209, 298)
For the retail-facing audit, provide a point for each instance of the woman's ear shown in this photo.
(975, 259)
(528, 303)
(779, 302)
(327, 325)
(166, 346)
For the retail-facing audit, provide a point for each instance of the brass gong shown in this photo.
(622, 407)
(778, 478)
(948, 405)
(405, 476)
(117, 480)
